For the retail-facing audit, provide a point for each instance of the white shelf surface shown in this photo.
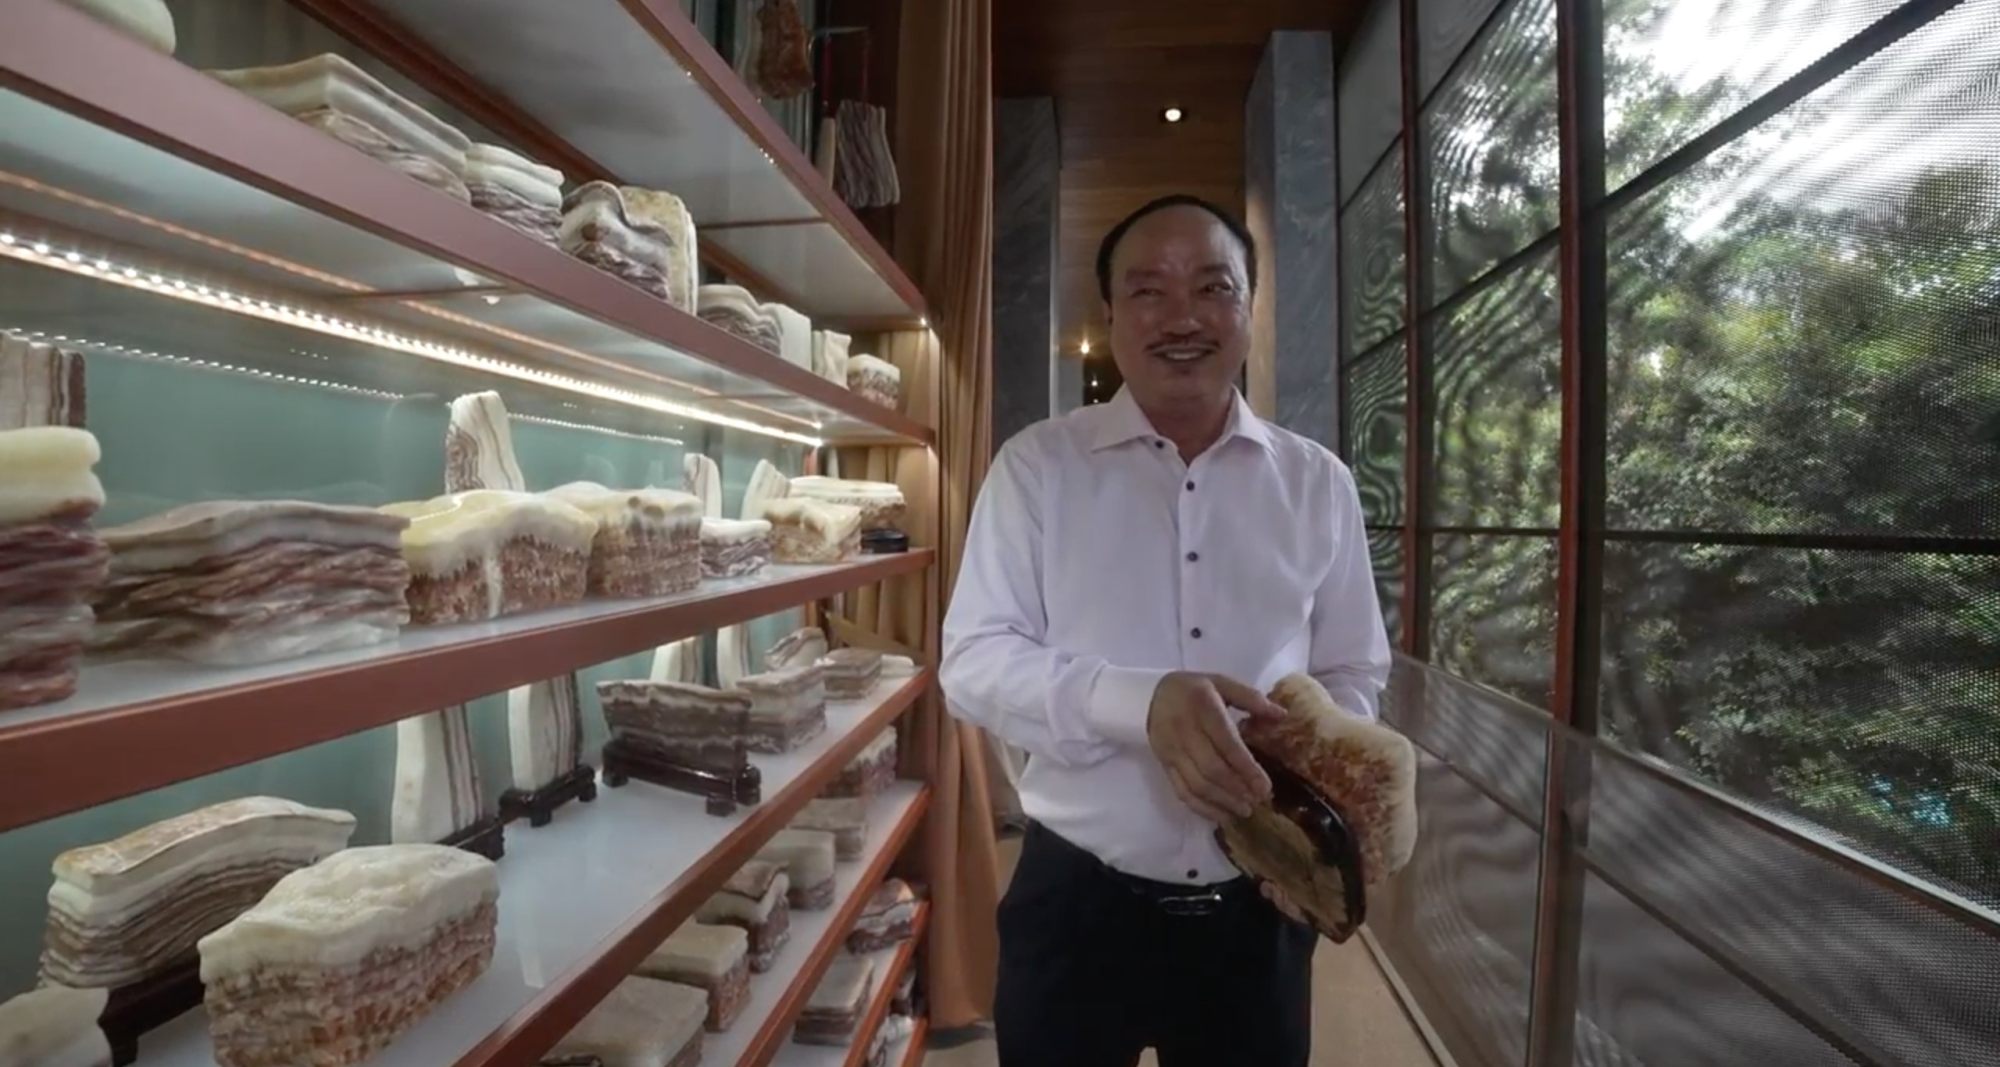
(809, 930)
(565, 888)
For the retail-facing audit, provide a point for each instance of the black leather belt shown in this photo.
(1170, 897)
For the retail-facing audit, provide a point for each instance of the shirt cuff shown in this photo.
(1120, 701)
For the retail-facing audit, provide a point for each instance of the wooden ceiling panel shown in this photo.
(1111, 66)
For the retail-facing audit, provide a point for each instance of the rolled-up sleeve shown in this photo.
(998, 671)
(1350, 646)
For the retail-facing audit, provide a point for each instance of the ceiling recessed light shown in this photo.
(1173, 114)
(1084, 347)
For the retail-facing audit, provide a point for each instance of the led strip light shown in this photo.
(66, 341)
(42, 253)
(540, 420)
(129, 352)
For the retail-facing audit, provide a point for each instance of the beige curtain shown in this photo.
(944, 151)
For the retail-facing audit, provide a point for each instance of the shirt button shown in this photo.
(1192, 873)
(1192, 556)
(1159, 444)
(1195, 633)
(1190, 487)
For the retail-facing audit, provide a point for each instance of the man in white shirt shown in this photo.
(1136, 576)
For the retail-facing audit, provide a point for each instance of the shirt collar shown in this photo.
(1120, 420)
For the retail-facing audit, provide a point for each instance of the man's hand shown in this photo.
(1210, 767)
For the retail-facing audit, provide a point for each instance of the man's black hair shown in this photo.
(1109, 246)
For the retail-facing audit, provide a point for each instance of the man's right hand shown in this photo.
(1205, 759)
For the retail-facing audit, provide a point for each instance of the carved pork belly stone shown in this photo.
(872, 770)
(829, 358)
(643, 236)
(644, 1022)
(345, 102)
(875, 380)
(648, 541)
(811, 532)
(479, 446)
(835, 1008)
(40, 385)
(437, 792)
(51, 562)
(851, 673)
(341, 958)
(756, 899)
(679, 721)
(252, 581)
(732, 308)
(147, 20)
(845, 818)
(734, 548)
(808, 857)
(715, 959)
(787, 707)
(488, 553)
(889, 916)
(795, 335)
(881, 504)
(516, 190)
(800, 648)
(54, 1026)
(127, 909)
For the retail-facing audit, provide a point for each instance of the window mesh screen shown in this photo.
(1458, 923)
(1804, 328)
(1445, 28)
(1859, 689)
(1385, 552)
(1372, 259)
(1497, 748)
(1377, 418)
(1493, 612)
(1497, 363)
(1490, 139)
(1371, 94)
(1844, 947)
(1648, 998)
(1674, 68)
(1804, 347)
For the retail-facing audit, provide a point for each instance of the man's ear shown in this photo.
(1107, 311)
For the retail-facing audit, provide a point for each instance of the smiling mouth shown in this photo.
(1182, 353)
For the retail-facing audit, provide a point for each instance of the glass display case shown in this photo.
(350, 352)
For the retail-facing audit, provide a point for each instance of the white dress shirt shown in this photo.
(1097, 562)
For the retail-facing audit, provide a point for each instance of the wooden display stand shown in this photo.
(539, 806)
(723, 788)
(149, 1004)
(487, 838)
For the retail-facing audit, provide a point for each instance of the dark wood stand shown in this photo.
(487, 838)
(149, 1004)
(540, 805)
(723, 788)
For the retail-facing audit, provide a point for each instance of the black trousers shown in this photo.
(1092, 972)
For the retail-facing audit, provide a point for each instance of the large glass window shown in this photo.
(1791, 609)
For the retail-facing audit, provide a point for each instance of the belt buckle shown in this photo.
(1192, 904)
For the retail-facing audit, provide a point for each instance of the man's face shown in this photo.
(1179, 310)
